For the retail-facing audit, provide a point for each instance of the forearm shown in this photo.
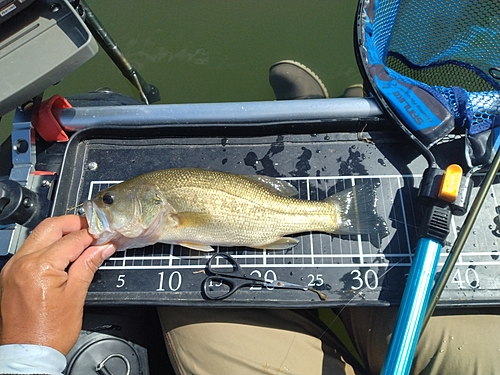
(31, 359)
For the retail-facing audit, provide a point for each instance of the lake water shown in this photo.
(218, 51)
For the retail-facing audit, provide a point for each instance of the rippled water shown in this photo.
(218, 51)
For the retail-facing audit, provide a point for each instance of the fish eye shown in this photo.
(108, 198)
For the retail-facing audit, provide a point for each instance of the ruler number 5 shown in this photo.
(121, 281)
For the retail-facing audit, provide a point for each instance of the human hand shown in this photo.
(44, 285)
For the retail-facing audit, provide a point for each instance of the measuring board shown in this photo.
(361, 269)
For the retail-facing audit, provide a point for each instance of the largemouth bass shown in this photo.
(198, 209)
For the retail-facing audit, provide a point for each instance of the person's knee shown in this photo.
(248, 341)
(455, 341)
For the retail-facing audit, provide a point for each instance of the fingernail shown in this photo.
(108, 251)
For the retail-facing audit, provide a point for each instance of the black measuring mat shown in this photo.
(361, 269)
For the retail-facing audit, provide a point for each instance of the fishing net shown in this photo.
(435, 65)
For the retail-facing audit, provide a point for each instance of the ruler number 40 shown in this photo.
(468, 279)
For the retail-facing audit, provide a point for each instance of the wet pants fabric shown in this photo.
(456, 341)
(205, 341)
(223, 341)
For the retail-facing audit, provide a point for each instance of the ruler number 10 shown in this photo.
(174, 281)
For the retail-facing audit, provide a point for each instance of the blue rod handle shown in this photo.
(414, 303)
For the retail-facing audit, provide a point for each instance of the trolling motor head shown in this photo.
(36, 30)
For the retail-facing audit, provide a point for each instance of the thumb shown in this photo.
(82, 270)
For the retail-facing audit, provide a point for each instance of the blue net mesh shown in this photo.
(437, 64)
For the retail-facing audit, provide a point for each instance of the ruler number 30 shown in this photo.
(369, 279)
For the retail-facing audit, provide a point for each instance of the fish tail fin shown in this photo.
(356, 211)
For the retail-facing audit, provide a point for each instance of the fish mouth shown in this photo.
(98, 224)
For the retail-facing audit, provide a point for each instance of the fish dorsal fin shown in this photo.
(282, 244)
(275, 185)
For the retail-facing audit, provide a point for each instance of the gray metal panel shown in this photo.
(38, 48)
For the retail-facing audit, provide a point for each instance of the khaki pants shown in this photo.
(279, 341)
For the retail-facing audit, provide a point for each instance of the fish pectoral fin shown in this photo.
(282, 244)
(197, 246)
(192, 219)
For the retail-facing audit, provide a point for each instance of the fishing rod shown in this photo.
(148, 92)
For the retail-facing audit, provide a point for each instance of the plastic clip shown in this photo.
(46, 124)
(450, 183)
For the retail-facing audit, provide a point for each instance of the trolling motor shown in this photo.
(35, 31)
(32, 28)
